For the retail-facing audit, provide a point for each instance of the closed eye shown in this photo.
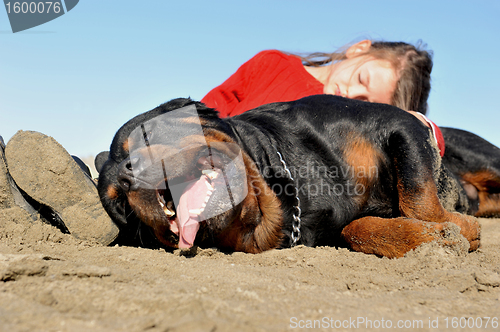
(365, 80)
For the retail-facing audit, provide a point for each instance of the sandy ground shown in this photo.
(50, 281)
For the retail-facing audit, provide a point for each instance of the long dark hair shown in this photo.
(413, 63)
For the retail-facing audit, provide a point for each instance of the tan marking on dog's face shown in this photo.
(125, 146)
(194, 120)
(112, 192)
(210, 136)
(148, 212)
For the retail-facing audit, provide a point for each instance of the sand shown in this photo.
(49, 175)
(50, 281)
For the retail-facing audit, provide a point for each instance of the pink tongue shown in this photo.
(192, 198)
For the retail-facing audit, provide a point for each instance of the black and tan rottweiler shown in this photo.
(319, 171)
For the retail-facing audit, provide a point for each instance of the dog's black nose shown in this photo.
(126, 177)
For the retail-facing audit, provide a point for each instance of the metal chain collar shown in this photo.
(297, 211)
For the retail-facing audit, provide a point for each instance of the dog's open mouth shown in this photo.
(185, 216)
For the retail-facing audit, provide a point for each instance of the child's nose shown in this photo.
(358, 93)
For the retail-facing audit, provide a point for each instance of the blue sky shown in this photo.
(79, 77)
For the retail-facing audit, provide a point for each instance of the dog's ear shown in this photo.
(100, 159)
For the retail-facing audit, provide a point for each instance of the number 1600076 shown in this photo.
(33, 7)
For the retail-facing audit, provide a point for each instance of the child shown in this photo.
(393, 73)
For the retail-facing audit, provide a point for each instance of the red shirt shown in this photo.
(268, 77)
(271, 76)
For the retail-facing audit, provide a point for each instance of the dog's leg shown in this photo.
(418, 199)
(395, 237)
(422, 203)
(422, 217)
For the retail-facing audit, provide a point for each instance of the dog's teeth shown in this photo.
(162, 202)
(168, 212)
(160, 197)
(209, 187)
(196, 211)
(169, 209)
(210, 173)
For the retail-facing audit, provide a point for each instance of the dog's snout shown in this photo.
(126, 177)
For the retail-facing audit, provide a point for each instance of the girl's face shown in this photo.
(362, 77)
